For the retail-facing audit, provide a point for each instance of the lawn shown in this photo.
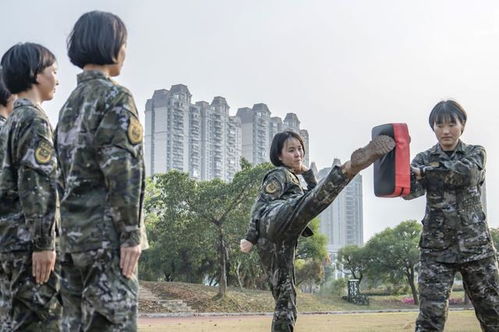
(202, 299)
(459, 321)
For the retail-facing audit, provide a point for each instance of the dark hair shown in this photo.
(278, 143)
(447, 111)
(4, 92)
(97, 38)
(22, 63)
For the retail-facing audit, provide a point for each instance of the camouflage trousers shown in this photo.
(480, 280)
(95, 295)
(285, 313)
(24, 304)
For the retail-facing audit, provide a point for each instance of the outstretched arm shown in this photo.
(418, 181)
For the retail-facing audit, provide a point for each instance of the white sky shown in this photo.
(342, 66)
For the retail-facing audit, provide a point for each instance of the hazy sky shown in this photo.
(342, 66)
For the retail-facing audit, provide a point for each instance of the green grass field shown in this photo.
(459, 321)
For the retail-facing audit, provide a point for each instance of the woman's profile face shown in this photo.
(448, 133)
(47, 82)
(292, 154)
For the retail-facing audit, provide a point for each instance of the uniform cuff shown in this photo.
(309, 177)
(44, 244)
(130, 239)
(252, 239)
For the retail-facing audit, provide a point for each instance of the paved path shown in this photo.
(241, 314)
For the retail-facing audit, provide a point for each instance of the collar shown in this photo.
(460, 148)
(20, 102)
(88, 75)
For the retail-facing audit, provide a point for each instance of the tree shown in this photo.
(313, 247)
(354, 260)
(169, 223)
(309, 272)
(311, 257)
(494, 232)
(395, 253)
(218, 204)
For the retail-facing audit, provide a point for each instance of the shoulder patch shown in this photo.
(43, 152)
(293, 178)
(272, 187)
(135, 131)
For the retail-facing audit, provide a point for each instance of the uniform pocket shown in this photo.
(434, 235)
(476, 231)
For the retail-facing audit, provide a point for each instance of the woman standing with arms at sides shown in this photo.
(283, 210)
(29, 272)
(455, 235)
(100, 151)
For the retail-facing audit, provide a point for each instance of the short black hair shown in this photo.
(447, 111)
(4, 92)
(97, 38)
(278, 143)
(22, 63)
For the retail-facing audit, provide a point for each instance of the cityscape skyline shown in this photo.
(342, 67)
(203, 139)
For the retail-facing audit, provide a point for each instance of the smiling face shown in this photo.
(292, 154)
(47, 81)
(448, 133)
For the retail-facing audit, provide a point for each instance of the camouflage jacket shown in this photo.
(281, 214)
(2, 120)
(455, 227)
(100, 151)
(28, 193)
(290, 184)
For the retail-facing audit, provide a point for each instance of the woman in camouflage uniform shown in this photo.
(100, 152)
(455, 234)
(283, 210)
(29, 272)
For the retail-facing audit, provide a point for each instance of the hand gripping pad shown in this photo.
(392, 172)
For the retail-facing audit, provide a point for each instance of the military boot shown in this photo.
(377, 148)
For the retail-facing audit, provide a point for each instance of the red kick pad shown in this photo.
(392, 172)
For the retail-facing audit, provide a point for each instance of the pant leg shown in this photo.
(481, 281)
(35, 307)
(287, 219)
(5, 296)
(71, 290)
(285, 308)
(435, 284)
(109, 300)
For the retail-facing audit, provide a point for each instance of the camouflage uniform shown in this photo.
(455, 236)
(2, 120)
(27, 219)
(279, 216)
(100, 151)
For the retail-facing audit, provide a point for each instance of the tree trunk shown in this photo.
(222, 282)
(410, 279)
(466, 298)
(238, 274)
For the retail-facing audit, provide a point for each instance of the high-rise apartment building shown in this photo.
(259, 128)
(255, 127)
(203, 139)
(342, 221)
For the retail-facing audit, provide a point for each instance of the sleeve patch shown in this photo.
(272, 187)
(135, 131)
(43, 152)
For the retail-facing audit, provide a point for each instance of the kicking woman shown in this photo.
(283, 210)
